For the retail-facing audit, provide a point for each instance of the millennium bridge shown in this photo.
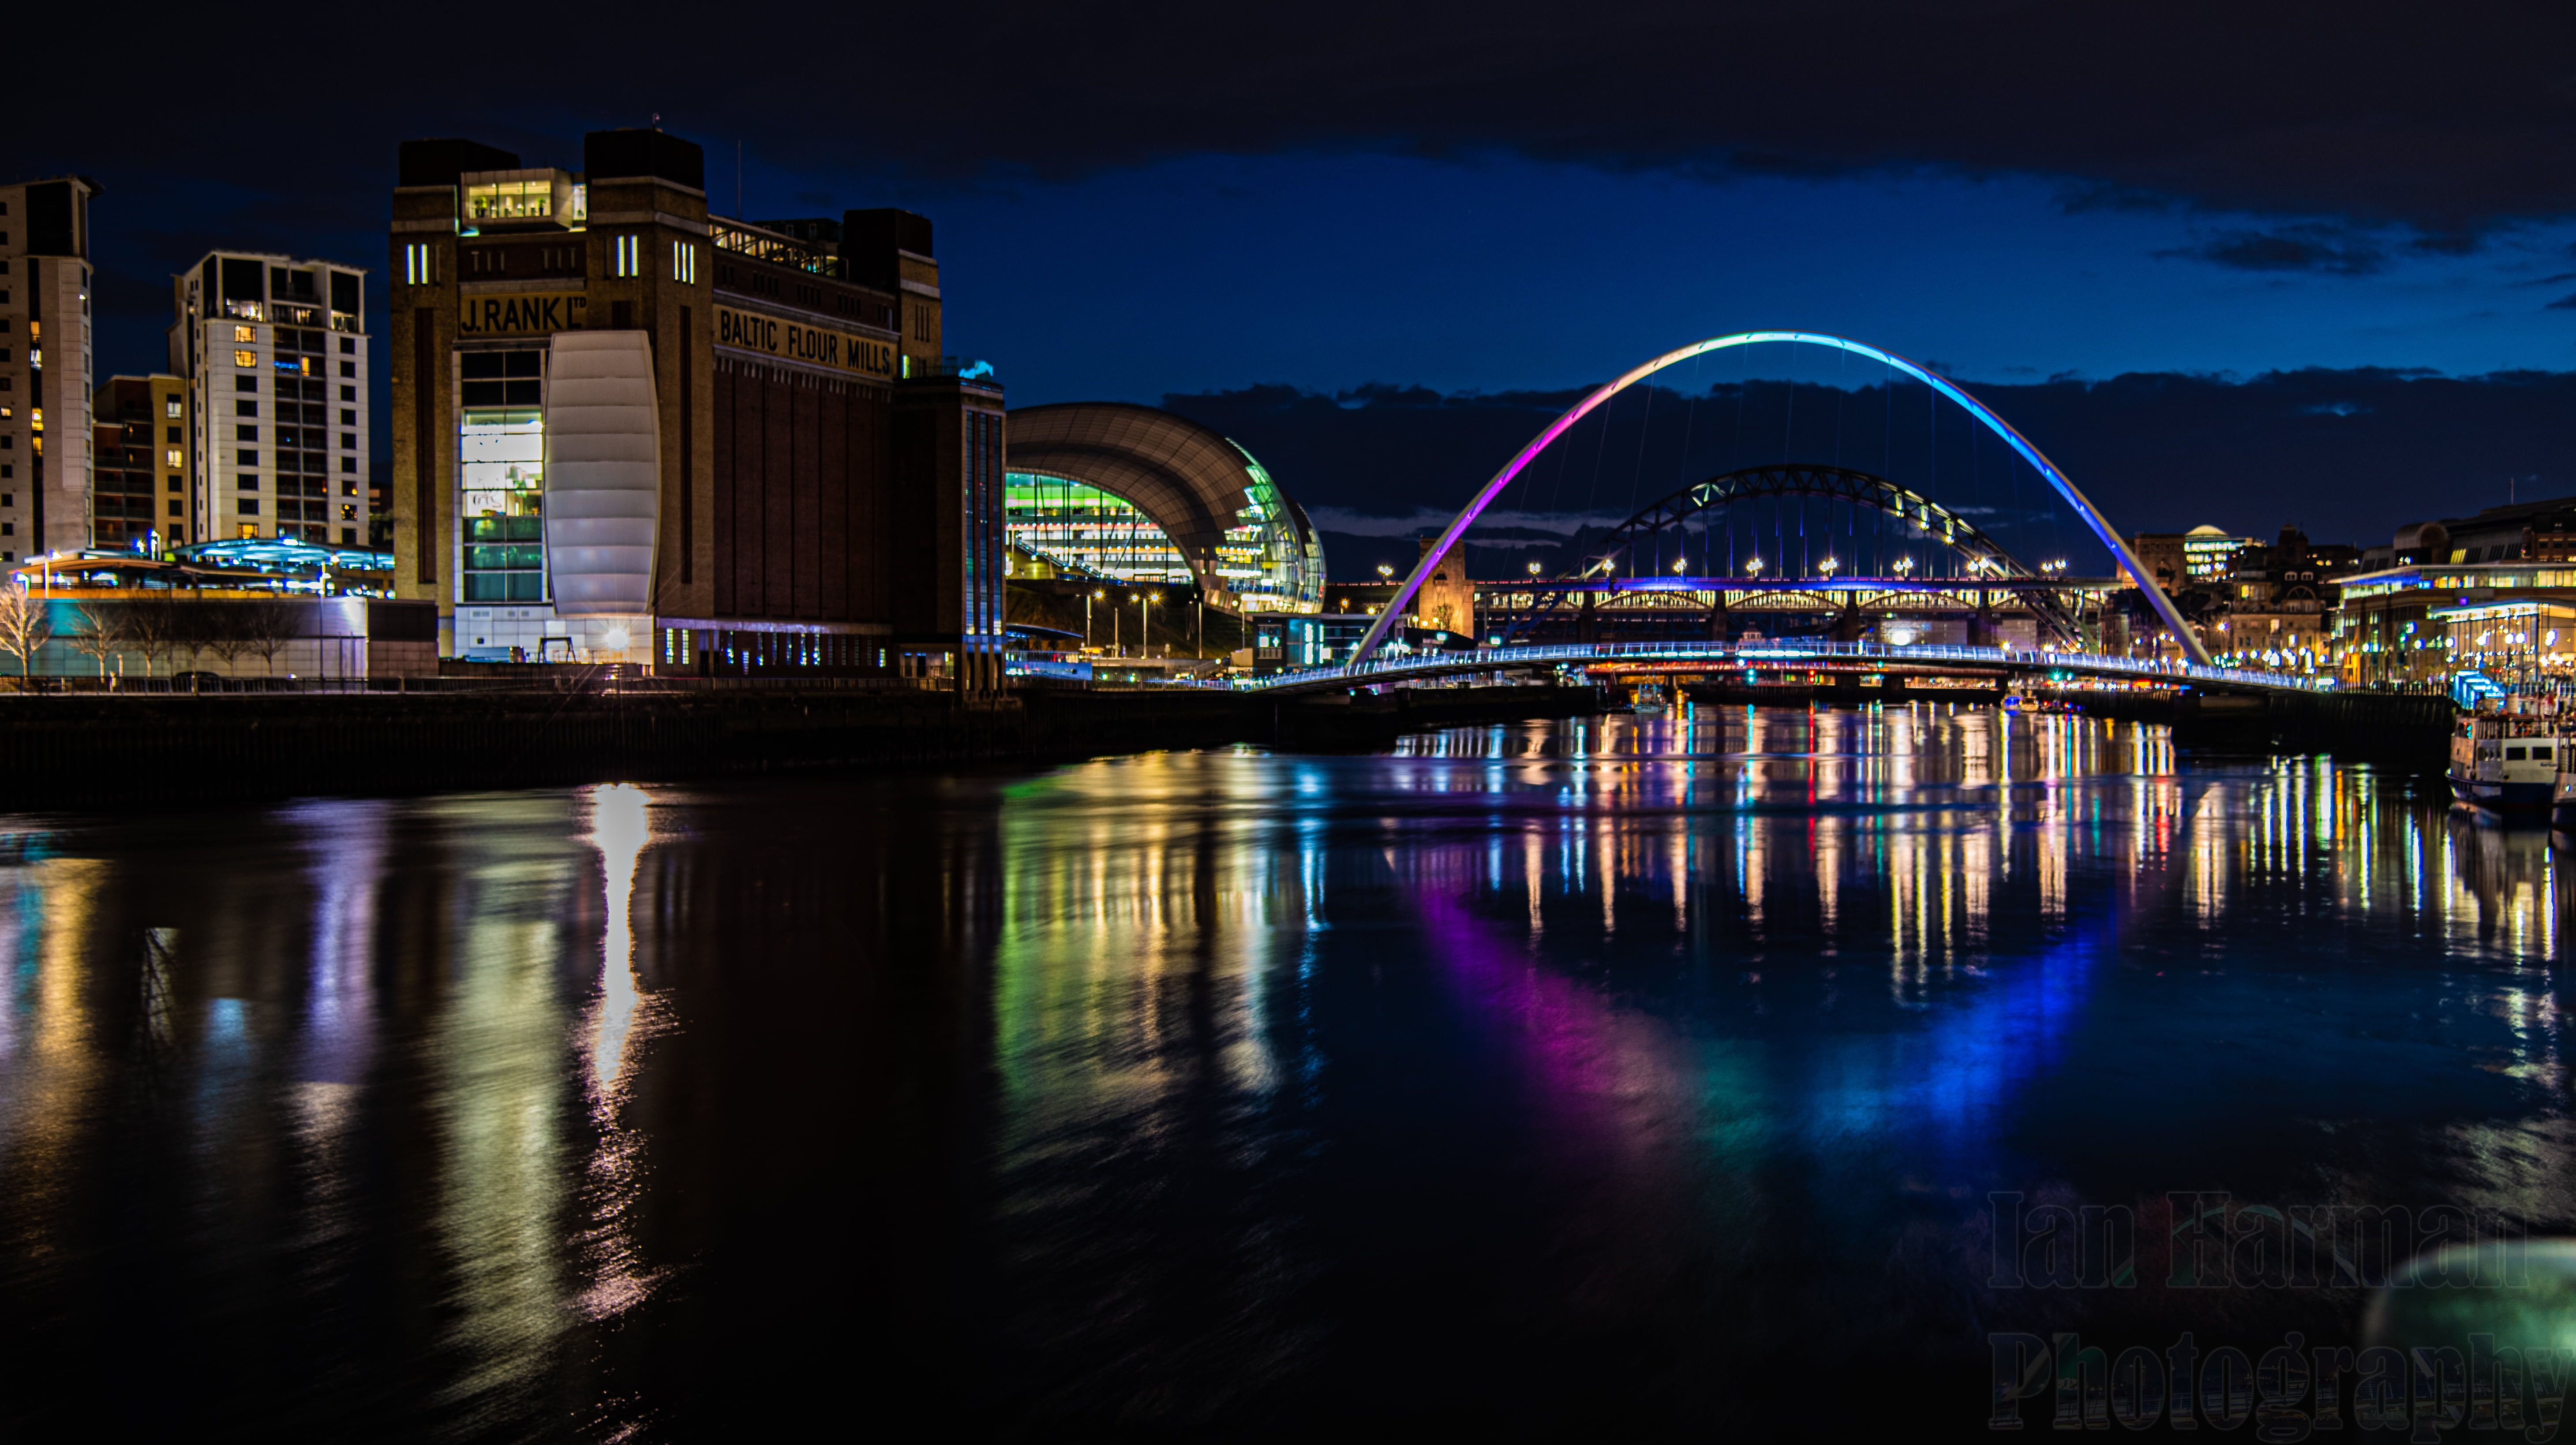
(1984, 571)
(1773, 655)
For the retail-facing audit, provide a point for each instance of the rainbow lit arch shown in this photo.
(1485, 495)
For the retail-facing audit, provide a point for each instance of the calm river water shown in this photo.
(1665, 1073)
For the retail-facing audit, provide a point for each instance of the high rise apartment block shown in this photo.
(45, 428)
(274, 351)
(143, 498)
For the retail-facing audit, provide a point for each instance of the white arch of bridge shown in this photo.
(2065, 488)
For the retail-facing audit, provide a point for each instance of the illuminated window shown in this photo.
(629, 256)
(684, 262)
(174, 461)
(170, 408)
(524, 200)
(503, 503)
(245, 334)
(245, 358)
(419, 264)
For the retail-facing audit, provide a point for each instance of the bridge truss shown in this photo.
(1991, 568)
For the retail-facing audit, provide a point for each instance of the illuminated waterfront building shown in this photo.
(626, 429)
(1141, 495)
(274, 350)
(45, 428)
(2209, 555)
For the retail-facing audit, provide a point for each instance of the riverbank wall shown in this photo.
(90, 748)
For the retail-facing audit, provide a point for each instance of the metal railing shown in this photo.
(1773, 654)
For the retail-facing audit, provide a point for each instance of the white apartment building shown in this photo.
(46, 466)
(275, 353)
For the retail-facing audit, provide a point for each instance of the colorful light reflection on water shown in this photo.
(1632, 1071)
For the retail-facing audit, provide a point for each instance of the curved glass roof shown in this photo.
(1143, 494)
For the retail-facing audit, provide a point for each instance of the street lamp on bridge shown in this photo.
(1753, 568)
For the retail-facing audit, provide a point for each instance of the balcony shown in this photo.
(770, 246)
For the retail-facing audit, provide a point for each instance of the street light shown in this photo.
(1533, 567)
(1827, 566)
(1753, 568)
(1904, 565)
(1385, 572)
(1088, 598)
(1680, 565)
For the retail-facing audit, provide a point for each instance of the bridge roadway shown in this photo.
(1774, 654)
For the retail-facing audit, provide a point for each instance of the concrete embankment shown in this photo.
(90, 748)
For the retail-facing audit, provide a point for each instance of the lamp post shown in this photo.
(1087, 599)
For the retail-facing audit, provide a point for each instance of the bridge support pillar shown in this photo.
(1587, 624)
(1717, 619)
(1981, 626)
(1849, 624)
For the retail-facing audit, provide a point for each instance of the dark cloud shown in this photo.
(2329, 250)
(2444, 118)
(2348, 454)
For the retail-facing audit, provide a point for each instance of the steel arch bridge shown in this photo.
(2058, 481)
(1937, 523)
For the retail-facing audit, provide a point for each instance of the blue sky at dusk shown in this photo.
(2224, 263)
(1497, 273)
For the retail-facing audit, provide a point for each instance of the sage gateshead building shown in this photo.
(626, 430)
(1135, 494)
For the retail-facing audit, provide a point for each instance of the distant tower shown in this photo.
(1447, 600)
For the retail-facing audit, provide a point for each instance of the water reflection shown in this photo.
(1525, 1067)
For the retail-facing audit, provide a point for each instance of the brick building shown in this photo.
(626, 429)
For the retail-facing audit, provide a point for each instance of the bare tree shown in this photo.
(25, 627)
(151, 624)
(191, 628)
(268, 626)
(102, 634)
(226, 632)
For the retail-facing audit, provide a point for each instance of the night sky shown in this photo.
(2230, 264)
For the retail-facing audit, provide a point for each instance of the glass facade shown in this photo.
(1264, 562)
(503, 451)
(1077, 525)
(1264, 559)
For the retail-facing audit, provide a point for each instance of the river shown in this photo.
(1646, 1073)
